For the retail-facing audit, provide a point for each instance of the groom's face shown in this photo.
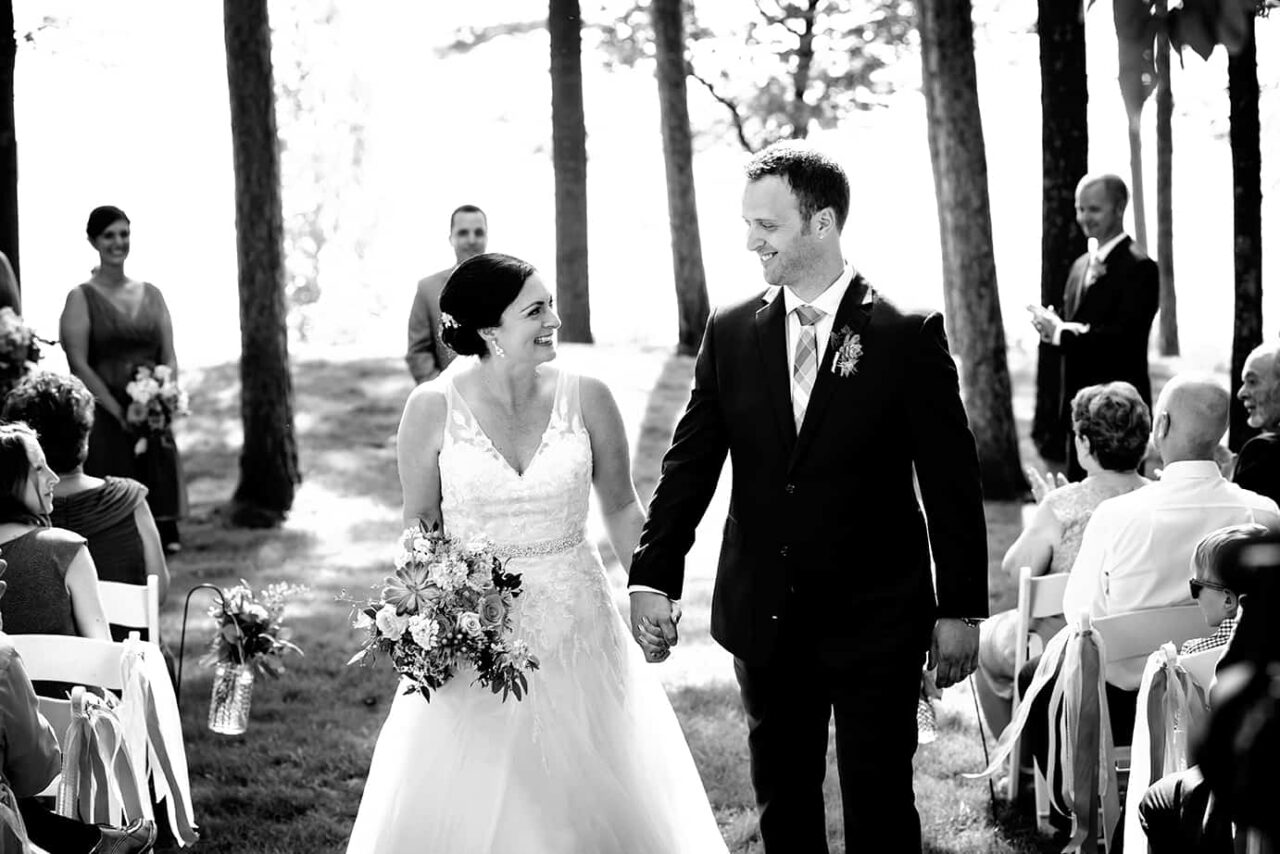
(776, 231)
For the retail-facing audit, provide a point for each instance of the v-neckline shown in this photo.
(132, 317)
(542, 441)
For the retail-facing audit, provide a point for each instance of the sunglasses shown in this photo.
(1197, 585)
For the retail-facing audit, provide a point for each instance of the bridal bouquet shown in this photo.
(19, 348)
(156, 401)
(447, 606)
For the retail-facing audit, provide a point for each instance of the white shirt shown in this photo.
(826, 302)
(1097, 255)
(1137, 548)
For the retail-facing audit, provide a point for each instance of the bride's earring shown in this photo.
(498, 351)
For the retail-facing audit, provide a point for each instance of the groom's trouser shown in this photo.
(789, 704)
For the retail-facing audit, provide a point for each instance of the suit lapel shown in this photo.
(771, 336)
(853, 315)
(1115, 266)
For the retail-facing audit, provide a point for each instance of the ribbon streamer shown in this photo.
(1172, 703)
(1072, 668)
(98, 782)
(153, 731)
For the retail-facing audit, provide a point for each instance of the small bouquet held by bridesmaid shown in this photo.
(156, 402)
(447, 606)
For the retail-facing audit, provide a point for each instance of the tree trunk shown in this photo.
(958, 153)
(677, 151)
(269, 459)
(1168, 331)
(8, 140)
(1246, 169)
(800, 109)
(569, 157)
(1132, 19)
(1064, 158)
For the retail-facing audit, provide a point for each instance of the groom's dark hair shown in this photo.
(816, 179)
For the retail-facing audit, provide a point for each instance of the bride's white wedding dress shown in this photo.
(592, 760)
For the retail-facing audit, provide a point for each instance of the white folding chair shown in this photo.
(1038, 596)
(133, 605)
(67, 658)
(1135, 635)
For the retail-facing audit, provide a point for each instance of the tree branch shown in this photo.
(468, 39)
(728, 104)
(779, 19)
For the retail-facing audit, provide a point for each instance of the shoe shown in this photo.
(926, 722)
(138, 836)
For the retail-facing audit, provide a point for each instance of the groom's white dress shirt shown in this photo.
(1137, 548)
(826, 302)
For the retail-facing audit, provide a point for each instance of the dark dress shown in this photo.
(118, 346)
(104, 516)
(1258, 466)
(37, 601)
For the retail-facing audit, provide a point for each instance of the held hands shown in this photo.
(653, 624)
(1045, 320)
(954, 651)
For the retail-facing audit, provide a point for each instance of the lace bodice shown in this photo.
(1073, 505)
(523, 514)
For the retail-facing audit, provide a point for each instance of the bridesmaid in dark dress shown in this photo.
(111, 326)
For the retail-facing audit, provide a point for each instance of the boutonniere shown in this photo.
(848, 352)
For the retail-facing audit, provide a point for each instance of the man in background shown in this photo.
(1110, 299)
(427, 355)
(1258, 466)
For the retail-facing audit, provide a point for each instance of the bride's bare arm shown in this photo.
(418, 454)
(611, 463)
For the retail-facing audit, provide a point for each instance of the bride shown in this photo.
(592, 760)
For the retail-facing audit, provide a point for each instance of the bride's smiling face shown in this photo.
(529, 324)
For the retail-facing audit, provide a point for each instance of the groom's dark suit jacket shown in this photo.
(825, 540)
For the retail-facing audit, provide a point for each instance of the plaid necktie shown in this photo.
(806, 368)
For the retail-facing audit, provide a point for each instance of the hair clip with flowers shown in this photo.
(448, 321)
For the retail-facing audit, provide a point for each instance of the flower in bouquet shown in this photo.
(449, 605)
(250, 628)
(156, 401)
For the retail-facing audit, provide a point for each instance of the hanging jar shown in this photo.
(232, 693)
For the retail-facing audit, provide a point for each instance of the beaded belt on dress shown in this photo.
(546, 547)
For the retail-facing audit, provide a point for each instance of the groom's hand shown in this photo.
(954, 651)
(653, 623)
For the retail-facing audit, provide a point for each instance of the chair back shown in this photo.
(133, 605)
(73, 659)
(1038, 596)
(1137, 634)
(1202, 665)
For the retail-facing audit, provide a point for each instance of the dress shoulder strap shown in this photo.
(568, 405)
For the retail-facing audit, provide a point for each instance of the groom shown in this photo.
(828, 399)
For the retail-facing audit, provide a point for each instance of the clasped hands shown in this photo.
(654, 618)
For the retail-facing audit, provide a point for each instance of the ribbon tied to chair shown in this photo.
(1171, 704)
(98, 784)
(153, 729)
(1071, 669)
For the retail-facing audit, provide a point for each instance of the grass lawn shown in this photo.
(293, 782)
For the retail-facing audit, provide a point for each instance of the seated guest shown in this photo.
(1136, 550)
(30, 760)
(1219, 603)
(1111, 426)
(1258, 466)
(111, 512)
(53, 584)
(1176, 811)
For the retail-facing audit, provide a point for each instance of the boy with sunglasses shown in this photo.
(1219, 603)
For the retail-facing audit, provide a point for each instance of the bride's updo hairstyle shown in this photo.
(474, 298)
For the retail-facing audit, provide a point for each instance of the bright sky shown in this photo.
(126, 104)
